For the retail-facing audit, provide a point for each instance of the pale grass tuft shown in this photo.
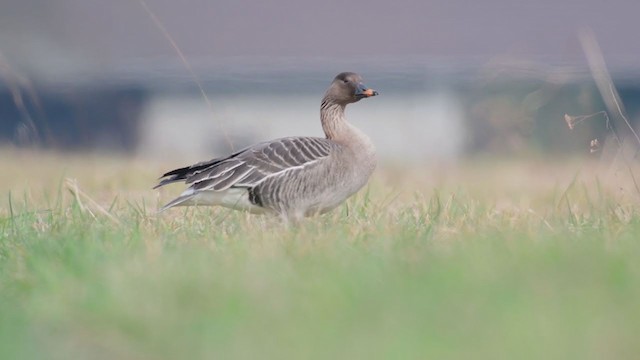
(81, 197)
(569, 120)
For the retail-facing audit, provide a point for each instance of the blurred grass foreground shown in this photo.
(483, 259)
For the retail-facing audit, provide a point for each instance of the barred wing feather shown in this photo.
(250, 166)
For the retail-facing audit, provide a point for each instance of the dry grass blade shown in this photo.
(611, 98)
(79, 195)
(186, 64)
(603, 80)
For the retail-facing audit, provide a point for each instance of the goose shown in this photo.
(291, 177)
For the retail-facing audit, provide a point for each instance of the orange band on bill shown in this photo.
(369, 92)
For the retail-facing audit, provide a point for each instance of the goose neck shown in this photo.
(333, 119)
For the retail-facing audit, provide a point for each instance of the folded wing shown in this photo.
(249, 167)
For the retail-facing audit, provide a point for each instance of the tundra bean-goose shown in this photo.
(292, 177)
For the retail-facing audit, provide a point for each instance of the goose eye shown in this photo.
(345, 81)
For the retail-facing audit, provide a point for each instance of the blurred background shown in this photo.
(457, 78)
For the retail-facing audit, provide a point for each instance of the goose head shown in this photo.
(347, 87)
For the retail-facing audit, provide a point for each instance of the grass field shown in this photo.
(483, 259)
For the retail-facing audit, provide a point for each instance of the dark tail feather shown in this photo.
(184, 173)
(173, 176)
(168, 181)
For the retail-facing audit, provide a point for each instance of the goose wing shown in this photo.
(249, 167)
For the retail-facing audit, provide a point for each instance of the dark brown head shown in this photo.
(348, 88)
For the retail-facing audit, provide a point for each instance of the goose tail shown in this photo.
(182, 200)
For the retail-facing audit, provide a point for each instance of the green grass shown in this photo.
(439, 269)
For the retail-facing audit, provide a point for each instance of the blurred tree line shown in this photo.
(504, 114)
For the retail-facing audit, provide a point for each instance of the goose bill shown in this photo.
(363, 92)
